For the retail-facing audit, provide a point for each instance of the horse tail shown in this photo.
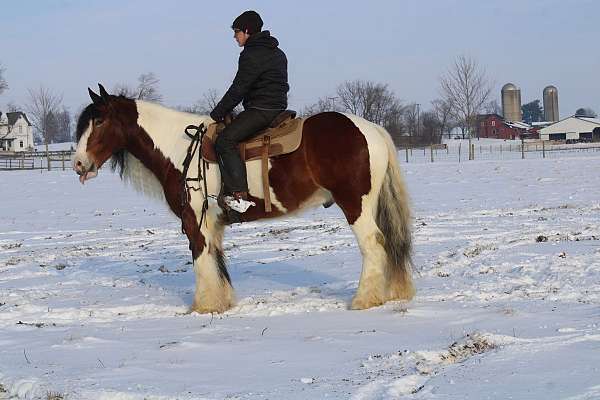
(394, 220)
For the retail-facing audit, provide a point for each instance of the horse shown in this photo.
(342, 159)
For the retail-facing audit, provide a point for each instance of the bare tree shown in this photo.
(63, 119)
(42, 108)
(13, 107)
(3, 83)
(147, 88)
(206, 104)
(492, 107)
(122, 89)
(393, 122)
(324, 104)
(411, 117)
(367, 99)
(431, 127)
(443, 112)
(467, 87)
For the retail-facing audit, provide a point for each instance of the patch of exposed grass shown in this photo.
(460, 351)
(54, 396)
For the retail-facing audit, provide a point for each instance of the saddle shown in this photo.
(283, 136)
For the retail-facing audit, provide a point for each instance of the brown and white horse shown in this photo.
(343, 158)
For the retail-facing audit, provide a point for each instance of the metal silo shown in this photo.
(551, 103)
(511, 103)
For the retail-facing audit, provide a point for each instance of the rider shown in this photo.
(261, 83)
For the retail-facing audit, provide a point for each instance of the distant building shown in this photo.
(573, 129)
(493, 126)
(16, 133)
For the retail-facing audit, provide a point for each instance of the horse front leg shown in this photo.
(214, 292)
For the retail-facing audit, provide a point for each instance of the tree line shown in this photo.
(465, 92)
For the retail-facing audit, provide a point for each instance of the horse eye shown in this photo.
(98, 121)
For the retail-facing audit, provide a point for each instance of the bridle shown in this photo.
(195, 145)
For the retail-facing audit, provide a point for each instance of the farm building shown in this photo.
(493, 126)
(16, 133)
(576, 129)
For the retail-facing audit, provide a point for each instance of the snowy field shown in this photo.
(95, 282)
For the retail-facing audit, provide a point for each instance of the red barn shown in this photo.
(493, 126)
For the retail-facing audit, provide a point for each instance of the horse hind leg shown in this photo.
(381, 223)
(372, 287)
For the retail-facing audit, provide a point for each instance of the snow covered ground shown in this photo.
(95, 282)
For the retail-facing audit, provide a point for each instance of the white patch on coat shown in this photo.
(255, 185)
(378, 151)
(81, 151)
(166, 129)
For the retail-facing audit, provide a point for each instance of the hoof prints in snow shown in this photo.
(407, 372)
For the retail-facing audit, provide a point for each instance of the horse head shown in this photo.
(102, 131)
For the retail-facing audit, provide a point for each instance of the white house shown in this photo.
(16, 133)
(572, 128)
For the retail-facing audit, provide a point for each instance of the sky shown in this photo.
(69, 45)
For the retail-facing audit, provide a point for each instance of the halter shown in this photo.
(191, 151)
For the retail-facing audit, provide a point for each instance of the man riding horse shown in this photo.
(261, 84)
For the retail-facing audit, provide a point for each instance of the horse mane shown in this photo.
(118, 162)
(131, 170)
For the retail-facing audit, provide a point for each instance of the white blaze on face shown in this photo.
(81, 161)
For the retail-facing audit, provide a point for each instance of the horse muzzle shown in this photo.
(84, 171)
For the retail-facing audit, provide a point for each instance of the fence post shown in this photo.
(47, 156)
(522, 150)
(62, 154)
(472, 151)
(459, 145)
(406, 154)
(544, 149)
(431, 148)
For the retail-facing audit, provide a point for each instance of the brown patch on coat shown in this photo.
(330, 144)
(338, 156)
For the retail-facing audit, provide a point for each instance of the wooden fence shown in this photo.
(51, 160)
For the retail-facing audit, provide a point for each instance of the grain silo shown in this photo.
(511, 103)
(551, 104)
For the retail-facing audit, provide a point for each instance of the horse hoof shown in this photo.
(362, 304)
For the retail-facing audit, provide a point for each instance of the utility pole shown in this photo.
(418, 118)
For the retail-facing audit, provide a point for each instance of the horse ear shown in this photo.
(103, 93)
(95, 98)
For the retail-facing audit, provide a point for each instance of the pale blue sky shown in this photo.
(70, 45)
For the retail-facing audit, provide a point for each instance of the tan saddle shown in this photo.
(283, 136)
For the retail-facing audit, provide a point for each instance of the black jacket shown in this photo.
(261, 80)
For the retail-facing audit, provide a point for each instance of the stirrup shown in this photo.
(239, 205)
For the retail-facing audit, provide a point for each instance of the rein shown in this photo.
(195, 144)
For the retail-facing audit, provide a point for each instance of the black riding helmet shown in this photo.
(248, 21)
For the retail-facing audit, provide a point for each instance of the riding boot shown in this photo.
(238, 202)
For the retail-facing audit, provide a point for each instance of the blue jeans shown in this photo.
(244, 126)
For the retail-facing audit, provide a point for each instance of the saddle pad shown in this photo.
(283, 139)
